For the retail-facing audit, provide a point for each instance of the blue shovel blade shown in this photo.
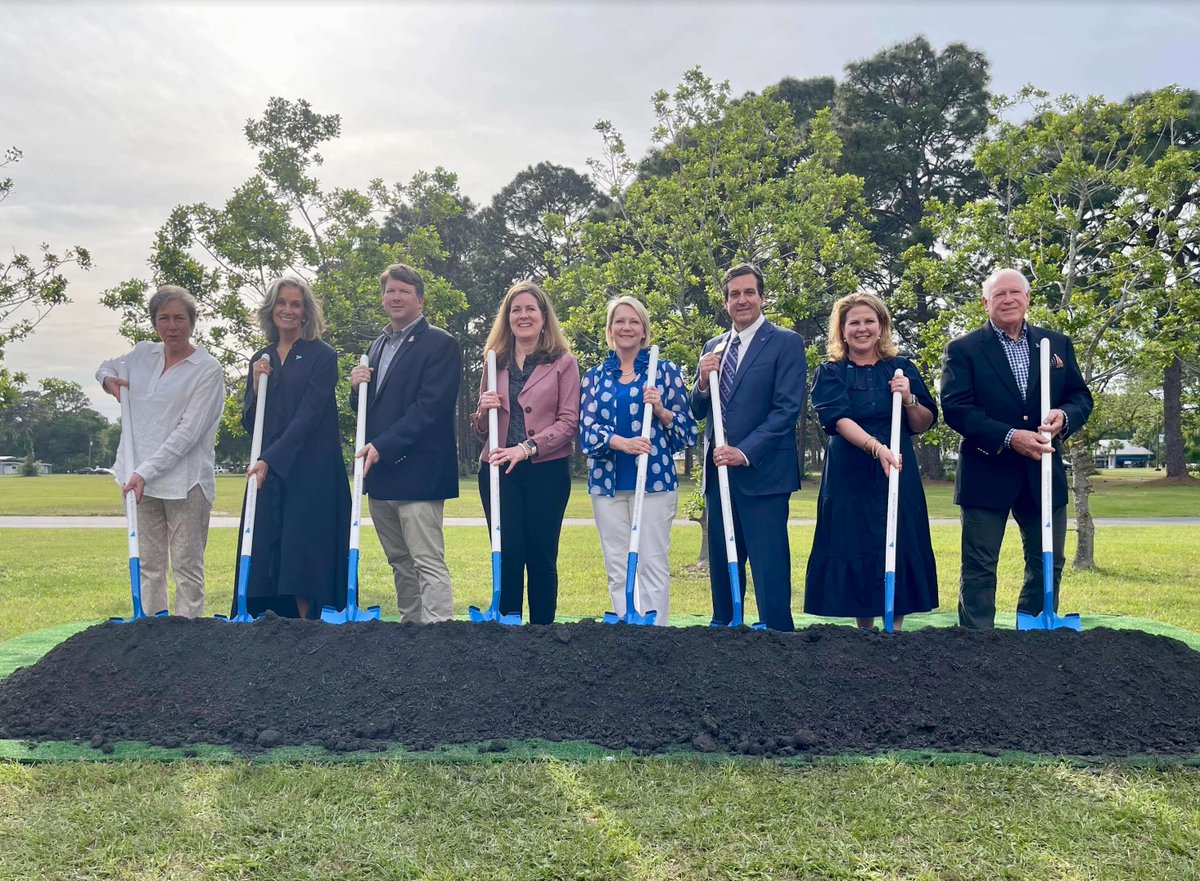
(478, 616)
(1025, 621)
(350, 614)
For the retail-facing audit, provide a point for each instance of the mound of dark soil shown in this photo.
(822, 690)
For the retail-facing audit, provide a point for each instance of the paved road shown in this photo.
(217, 522)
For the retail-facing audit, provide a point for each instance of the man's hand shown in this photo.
(114, 384)
(709, 363)
(136, 485)
(1030, 444)
(368, 454)
(359, 375)
(1056, 421)
(259, 470)
(729, 456)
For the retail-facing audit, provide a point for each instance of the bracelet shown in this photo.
(914, 402)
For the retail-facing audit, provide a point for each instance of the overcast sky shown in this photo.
(124, 111)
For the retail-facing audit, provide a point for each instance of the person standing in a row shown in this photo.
(410, 460)
(852, 395)
(615, 393)
(176, 396)
(537, 396)
(302, 524)
(762, 374)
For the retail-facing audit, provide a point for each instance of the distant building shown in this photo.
(1118, 453)
(10, 466)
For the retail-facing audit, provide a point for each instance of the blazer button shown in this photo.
(528, 409)
(1024, 418)
(531, 432)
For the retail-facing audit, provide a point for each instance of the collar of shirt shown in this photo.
(745, 336)
(393, 336)
(1005, 338)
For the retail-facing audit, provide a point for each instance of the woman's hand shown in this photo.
(258, 469)
(262, 367)
(509, 456)
(887, 460)
(114, 384)
(633, 446)
(488, 401)
(901, 384)
(136, 485)
(652, 396)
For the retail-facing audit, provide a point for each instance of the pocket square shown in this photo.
(1057, 361)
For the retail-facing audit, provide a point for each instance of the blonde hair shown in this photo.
(551, 342)
(634, 304)
(835, 345)
(314, 319)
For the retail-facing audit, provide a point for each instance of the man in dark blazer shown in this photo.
(762, 372)
(410, 460)
(991, 395)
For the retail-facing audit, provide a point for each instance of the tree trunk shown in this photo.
(1081, 488)
(702, 557)
(929, 460)
(687, 461)
(1173, 453)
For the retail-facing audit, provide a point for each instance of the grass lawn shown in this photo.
(616, 819)
(1120, 493)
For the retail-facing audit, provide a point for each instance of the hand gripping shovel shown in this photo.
(631, 615)
(250, 508)
(1048, 620)
(131, 521)
(352, 612)
(731, 554)
(492, 612)
(893, 513)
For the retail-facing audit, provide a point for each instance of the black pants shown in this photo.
(982, 535)
(533, 499)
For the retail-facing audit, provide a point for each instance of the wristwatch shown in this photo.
(532, 447)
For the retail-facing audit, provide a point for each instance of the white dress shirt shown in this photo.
(175, 417)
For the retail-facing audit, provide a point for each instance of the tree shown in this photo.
(29, 288)
(55, 424)
(1070, 187)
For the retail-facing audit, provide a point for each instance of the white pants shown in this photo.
(411, 536)
(613, 518)
(176, 529)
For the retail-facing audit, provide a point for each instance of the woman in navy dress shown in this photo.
(302, 526)
(852, 394)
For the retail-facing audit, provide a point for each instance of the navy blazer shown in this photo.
(980, 401)
(410, 420)
(764, 405)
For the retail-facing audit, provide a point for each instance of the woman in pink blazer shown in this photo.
(537, 396)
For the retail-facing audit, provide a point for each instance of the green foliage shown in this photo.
(55, 423)
(29, 288)
(29, 467)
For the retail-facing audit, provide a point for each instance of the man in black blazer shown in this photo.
(991, 395)
(410, 460)
(762, 372)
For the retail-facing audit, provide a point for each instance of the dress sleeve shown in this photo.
(594, 432)
(681, 433)
(830, 399)
(919, 389)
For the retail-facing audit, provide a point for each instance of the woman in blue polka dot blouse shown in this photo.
(613, 395)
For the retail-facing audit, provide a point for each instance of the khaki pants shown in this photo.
(178, 529)
(411, 536)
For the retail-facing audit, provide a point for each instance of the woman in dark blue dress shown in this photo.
(302, 526)
(852, 394)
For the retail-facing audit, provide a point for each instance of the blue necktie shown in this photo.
(728, 369)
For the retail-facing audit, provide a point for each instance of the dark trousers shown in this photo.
(982, 535)
(533, 499)
(760, 529)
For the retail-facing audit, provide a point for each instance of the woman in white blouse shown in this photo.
(176, 396)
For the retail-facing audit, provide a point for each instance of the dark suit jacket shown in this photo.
(410, 420)
(980, 401)
(760, 418)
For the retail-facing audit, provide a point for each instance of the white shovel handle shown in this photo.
(360, 441)
(1047, 460)
(714, 385)
(643, 459)
(893, 499)
(493, 440)
(260, 410)
(128, 463)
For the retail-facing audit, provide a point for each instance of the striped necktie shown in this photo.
(729, 369)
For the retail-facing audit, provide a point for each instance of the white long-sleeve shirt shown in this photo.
(175, 417)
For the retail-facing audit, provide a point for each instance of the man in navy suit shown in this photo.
(762, 372)
(410, 460)
(991, 395)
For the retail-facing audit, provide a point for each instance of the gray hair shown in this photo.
(167, 293)
(314, 319)
(989, 283)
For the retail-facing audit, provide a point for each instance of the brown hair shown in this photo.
(165, 294)
(835, 344)
(742, 269)
(405, 273)
(552, 341)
